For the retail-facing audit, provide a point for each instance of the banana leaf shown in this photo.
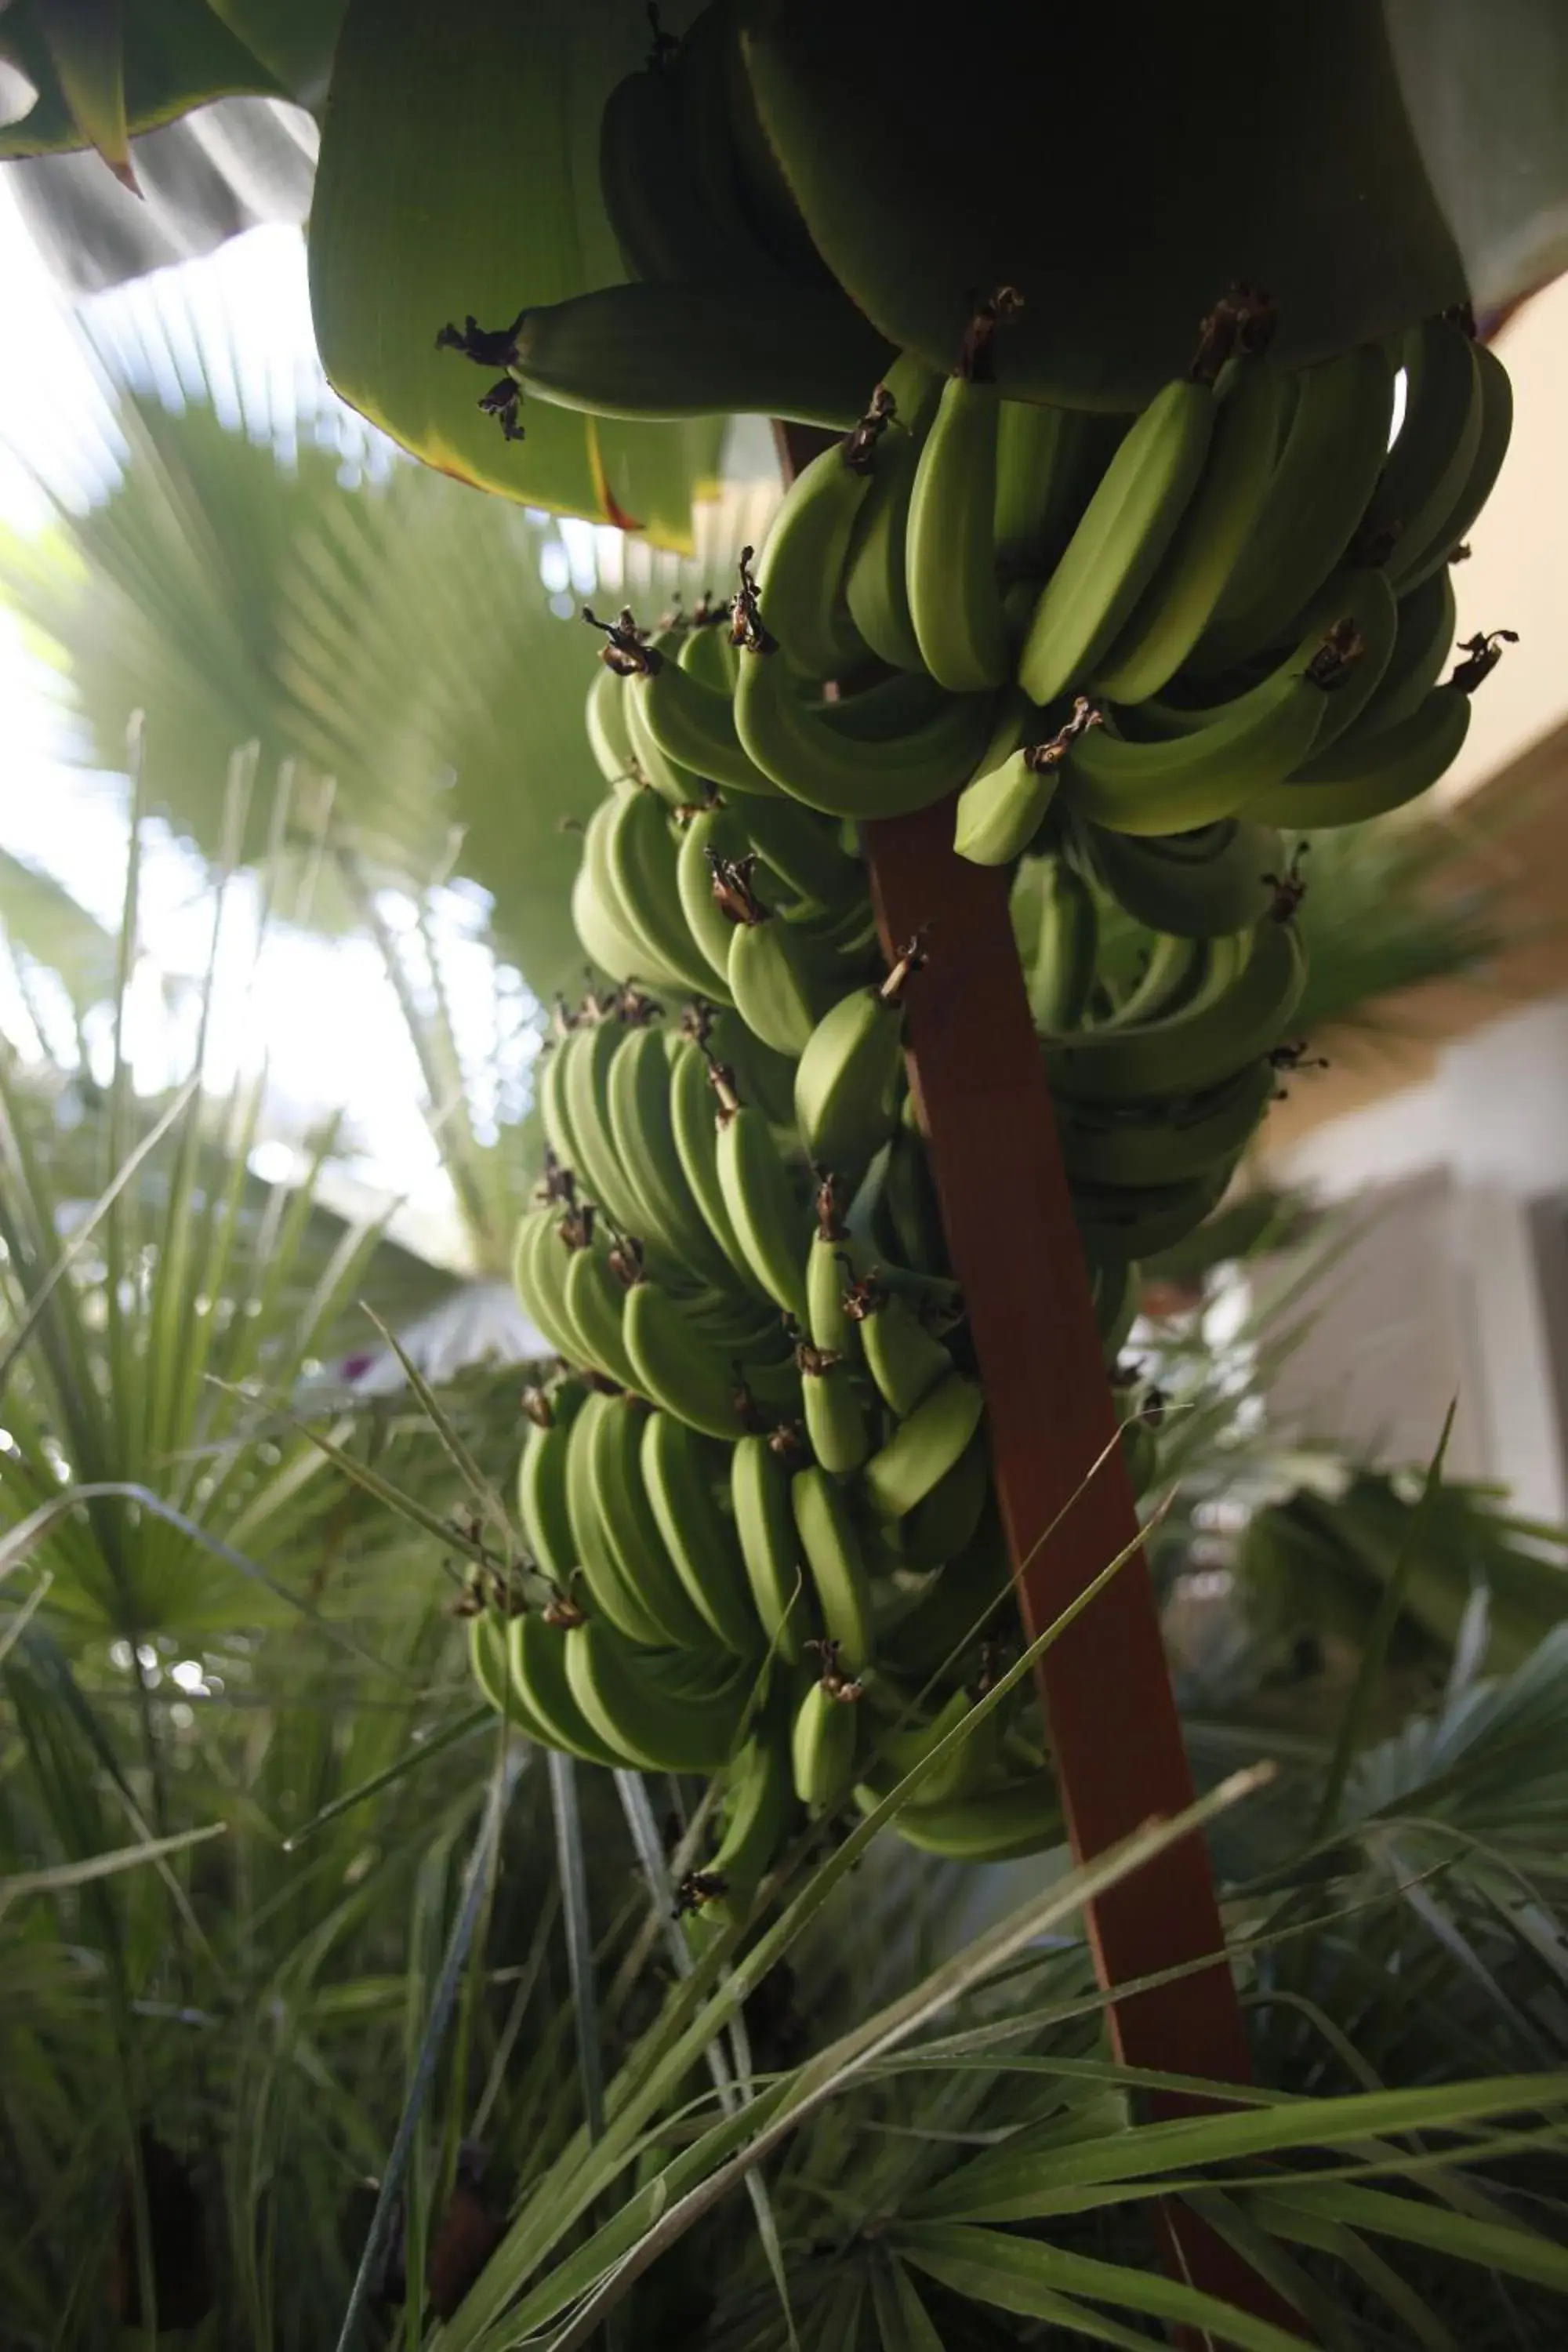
(217, 171)
(102, 73)
(459, 175)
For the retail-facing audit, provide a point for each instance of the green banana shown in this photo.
(1138, 1221)
(642, 852)
(875, 579)
(898, 1750)
(631, 1527)
(1002, 1824)
(1421, 647)
(1410, 566)
(707, 650)
(1333, 450)
(835, 1424)
(1431, 462)
(1188, 1052)
(611, 1595)
(849, 776)
(1054, 910)
(681, 1471)
(608, 739)
(1195, 780)
(741, 342)
(822, 1744)
(1182, 977)
(939, 1528)
(537, 1280)
(487, 1665)
(1001, 809)
(655, 202)
(1123, 533)
(804, 850)
(586, 1090)
(641, 1129)
(759, 1813)
(1048, 463)
(764, 1524)
(676, 1367)
(1176, 971)
(593, 1296)
(541, 1484)
(777, 978)
(693, 1109)
(677, 785)
(1117, 1296)
(536, 1653)
(1171, 1141)
(567, 1036)
(837, 1564)
(765, 1212)
(629, 1530)
(691, 724)
(709, 833)
(599, 920)
(904, 1360)
(962, 1602)
(1192, 885)
(924, 1448)
(829, 1271)
(1366, 778)
(801, 576)
(1210, 540)
(660, 1708)
(850, 1074)
(908, 1207)
(955, 605)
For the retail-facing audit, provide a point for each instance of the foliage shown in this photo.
(394, 642)
(921, 2131)
(411, 232)
(99, 76)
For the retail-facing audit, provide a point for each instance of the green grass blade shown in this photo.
(475, 1880)
(1357, 1706)
(451, 1735)
(64, 1874)
(1030, 2277)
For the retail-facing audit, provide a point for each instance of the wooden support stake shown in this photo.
(984, 1104)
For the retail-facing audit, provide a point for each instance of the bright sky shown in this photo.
(323, 1015)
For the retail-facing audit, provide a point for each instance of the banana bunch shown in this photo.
(1137, 653)
(1232, 610)
(757, 1491)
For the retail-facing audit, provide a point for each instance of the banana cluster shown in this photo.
(1236, 605)
(758, 1489)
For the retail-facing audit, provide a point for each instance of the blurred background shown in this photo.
(290, 750)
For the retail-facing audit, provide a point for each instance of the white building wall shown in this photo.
(1456, 1280)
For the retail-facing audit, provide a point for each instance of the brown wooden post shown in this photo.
(985, 1107)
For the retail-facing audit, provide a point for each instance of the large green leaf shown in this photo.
(1119, 165)
(140, 63)
(459, 174)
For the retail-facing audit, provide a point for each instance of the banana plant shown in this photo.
(1395, 168)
